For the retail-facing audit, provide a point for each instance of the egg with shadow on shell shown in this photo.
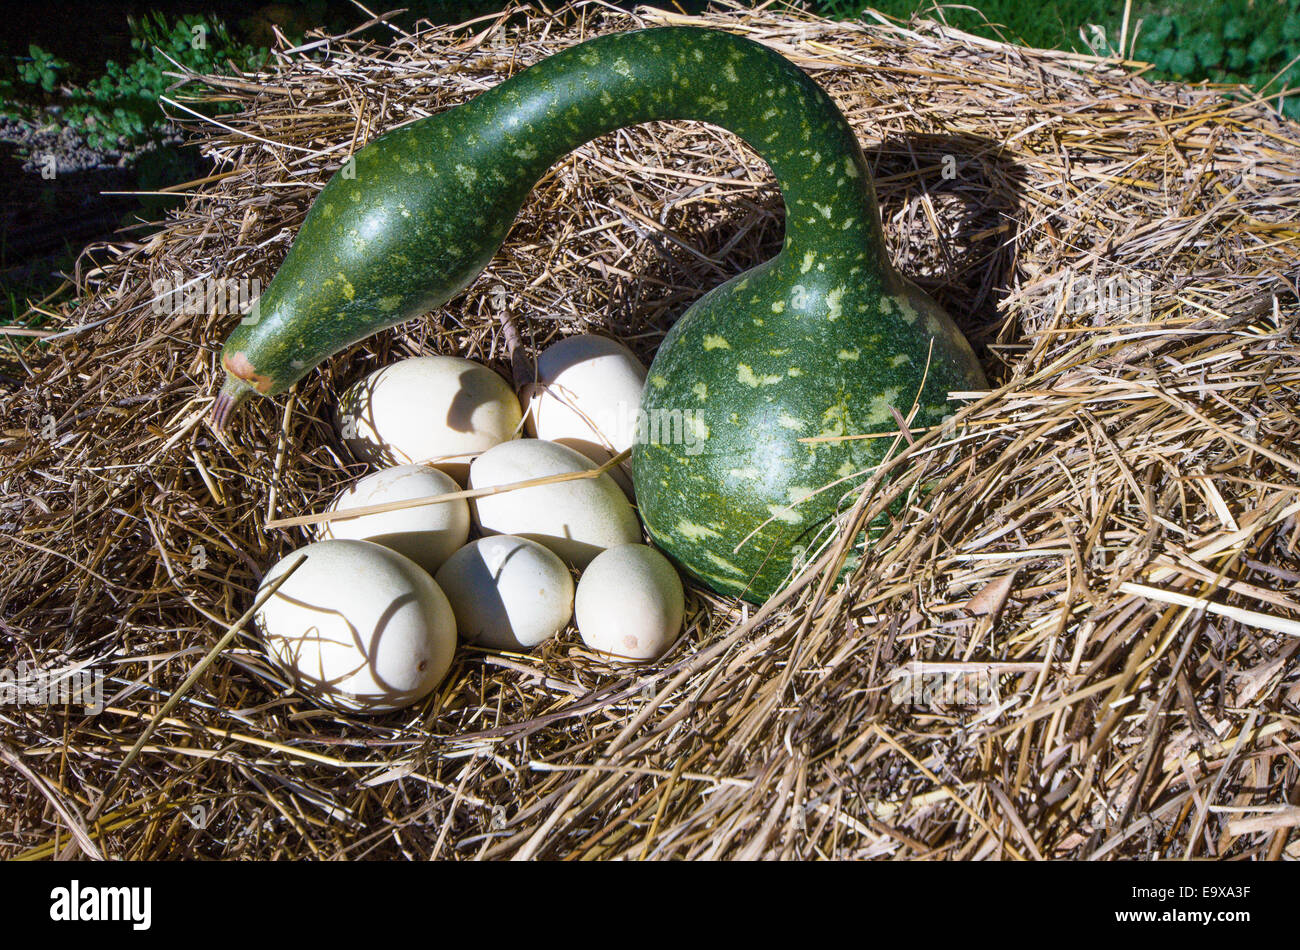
(508, 593)
(432, 410)
(427, 534)
(586, 395)
(630, 603)
(357, 627)
(576, 518)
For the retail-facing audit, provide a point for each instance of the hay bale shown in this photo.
(1107, 550)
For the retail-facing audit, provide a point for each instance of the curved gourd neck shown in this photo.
(437, 197)
(605, 84)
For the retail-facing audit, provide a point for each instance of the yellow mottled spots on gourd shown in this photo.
(845, 470)
(906, 309)
(715, 578)
(786, 514)
(899, 360)
(881, 409)
(850, 169)
(658, 382)
(770, 114)
(824, 209)
(750, 474)
(833, 420)
(526, 154)
(466, 175)
(714, 342)
(746, 375)
(808, 260)
(605, 98)
(797, 493)
(696, 532)
(778, 306)
(779, 352)
(787, 421)
(723, 564)
(348, 290)
(701, 429)
(730, 72)
(389, 304)
(328, 209)
(846, 355)
(701, 391)
(834, 307)
(410, 168)
(794, 371)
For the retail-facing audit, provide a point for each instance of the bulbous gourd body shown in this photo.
(822, 340)
(772, 371)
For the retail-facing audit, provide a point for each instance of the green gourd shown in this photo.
(825, 339)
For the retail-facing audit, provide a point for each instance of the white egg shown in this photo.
(358, 627)
(630, 603)
(577, 519)
(435, 410)
(427, 535)
(587, 395)
(508, 593)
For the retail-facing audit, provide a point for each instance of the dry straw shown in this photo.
(1105, 546)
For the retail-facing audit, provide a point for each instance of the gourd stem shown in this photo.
(233, 392)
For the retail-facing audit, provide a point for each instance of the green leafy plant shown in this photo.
(120, 108)
(1253, 44)
(40, 68)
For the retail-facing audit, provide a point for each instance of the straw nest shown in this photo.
(1107, 551)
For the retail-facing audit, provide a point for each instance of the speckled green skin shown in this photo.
(822, 339)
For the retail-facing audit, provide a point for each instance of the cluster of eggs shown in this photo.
(368, 621)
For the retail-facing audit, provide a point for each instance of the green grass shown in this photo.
(1253, 42)
(1046, 25)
